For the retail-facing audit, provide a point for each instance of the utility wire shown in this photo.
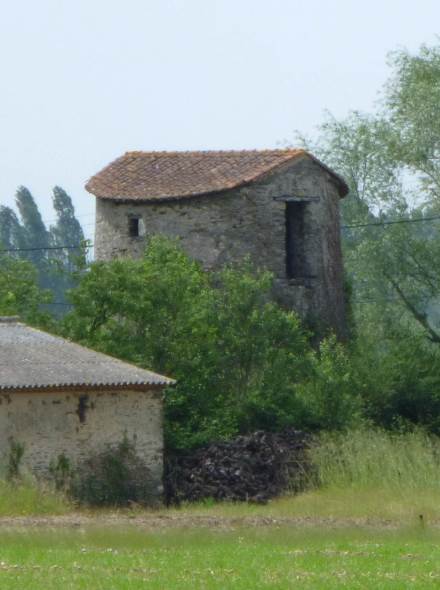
(393, 221)
(353, 226)
(47, 248)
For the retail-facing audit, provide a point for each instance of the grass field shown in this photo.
(359, 527)
(242, 559)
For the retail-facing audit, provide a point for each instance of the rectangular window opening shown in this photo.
(296, 263)
(133, 227)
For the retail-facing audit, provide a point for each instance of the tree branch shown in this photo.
(421, 317)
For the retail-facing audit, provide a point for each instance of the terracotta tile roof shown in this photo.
(149, 176)
(33, 360)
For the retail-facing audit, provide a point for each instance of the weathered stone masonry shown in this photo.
(78, 424)
(58, 398)
(251, 220)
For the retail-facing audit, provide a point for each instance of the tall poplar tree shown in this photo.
(28, 235)
(36, 236)
(11, 231)
(67, 231)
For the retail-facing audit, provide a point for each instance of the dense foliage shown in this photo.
(241, 362)
(115, 477)
(27, 238)
(19, 292)
(391, 242)
(390, 220)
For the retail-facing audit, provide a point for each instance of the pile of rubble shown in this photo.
(252, 468)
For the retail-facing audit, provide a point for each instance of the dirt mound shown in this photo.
(253, 468)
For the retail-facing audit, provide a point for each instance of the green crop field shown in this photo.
(244, 558)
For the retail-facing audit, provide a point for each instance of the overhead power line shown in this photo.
(351, 226)
(393, 221)
(39, 248)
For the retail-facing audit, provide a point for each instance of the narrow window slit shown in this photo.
(82, 408)
(133, 227)
(296, 263)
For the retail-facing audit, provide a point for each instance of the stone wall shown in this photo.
(79, 424)
(227, 226)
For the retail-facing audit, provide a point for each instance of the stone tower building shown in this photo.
(281, 207)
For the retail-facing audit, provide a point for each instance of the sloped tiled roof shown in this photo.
(34, 360)
(149, 176)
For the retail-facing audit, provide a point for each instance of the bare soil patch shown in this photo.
(157, 522)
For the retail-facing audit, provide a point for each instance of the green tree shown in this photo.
(412, 103)
(238, 358)
(36, 239)
(67, 231)
(357, 148)
(29, 236)
(390, 160)
(34, 230)
(19, 292)
(11, 232)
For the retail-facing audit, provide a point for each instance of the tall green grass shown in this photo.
(371, 474)
(30, 499)
(360, 474)
(368, 459)
(357, 474)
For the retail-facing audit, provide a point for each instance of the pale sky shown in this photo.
(83, 81)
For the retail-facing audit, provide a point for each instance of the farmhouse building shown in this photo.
(60, 399)
(280, 207)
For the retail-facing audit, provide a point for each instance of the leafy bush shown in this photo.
(114, 477)
(330, 392)
(61, 472)
(15, 456)
(398, 378)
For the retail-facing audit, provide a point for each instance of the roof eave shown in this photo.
(82, 387)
